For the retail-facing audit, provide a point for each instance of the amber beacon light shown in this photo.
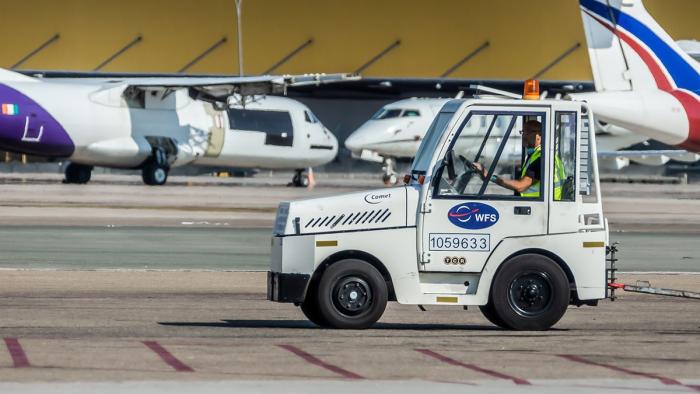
(531, 90)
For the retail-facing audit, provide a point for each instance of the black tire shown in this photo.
(310, 308)
(490, 314)
(300, 179)
(154, 174)
(77, 173)
(530, 292)
(390, 179)
(352, 294)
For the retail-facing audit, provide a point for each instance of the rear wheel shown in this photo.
(530, 292)
(352, 294)
(490, 314)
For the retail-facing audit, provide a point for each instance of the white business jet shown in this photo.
(156, 123)
(394, 133)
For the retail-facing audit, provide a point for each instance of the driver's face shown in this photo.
(531, 138)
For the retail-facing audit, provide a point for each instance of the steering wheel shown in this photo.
(468, 165)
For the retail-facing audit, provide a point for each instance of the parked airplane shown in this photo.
(394, 133)
(158, 123)
(397, 129)
(644, 81)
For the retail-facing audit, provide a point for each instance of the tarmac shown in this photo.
(115, 286)
(82, 326)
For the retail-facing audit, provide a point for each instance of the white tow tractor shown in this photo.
(454, 235)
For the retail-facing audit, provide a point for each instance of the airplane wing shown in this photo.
(662, 155)
(218, 89)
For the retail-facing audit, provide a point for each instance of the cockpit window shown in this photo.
(410, 112)
(386, 114)
(310, 117)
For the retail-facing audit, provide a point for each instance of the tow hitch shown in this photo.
(640, 286)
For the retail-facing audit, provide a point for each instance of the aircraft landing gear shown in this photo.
(300, 179)
(390, 177)
(77, 173)
(155, 170)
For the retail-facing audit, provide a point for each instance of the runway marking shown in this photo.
(19, 357)
(169, 359)
(311, 359)
(582, 360)
(473, 367)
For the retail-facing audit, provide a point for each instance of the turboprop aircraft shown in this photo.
(156, 123)
(644, 81)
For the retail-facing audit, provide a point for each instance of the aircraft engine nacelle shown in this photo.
(117, 152)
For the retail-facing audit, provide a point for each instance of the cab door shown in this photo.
(467, 214)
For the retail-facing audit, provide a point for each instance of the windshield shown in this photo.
(386, 114)
(430, 143)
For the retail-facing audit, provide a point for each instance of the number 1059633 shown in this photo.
(450, 242)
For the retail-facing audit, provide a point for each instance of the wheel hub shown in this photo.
(159, 175)
(352, 296)
(530, 294)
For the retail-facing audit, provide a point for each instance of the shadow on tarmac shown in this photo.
(296, 324)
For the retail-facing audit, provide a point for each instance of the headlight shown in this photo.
(281, 219)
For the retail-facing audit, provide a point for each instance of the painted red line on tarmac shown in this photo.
(579, 359)
(311, 359)
(473, 367)
(19, 357)
(168, 357)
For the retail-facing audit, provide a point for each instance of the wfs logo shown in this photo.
(473, 215)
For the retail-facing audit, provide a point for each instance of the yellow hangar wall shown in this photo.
(523, 36)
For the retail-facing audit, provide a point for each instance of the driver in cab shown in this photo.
(530, 173)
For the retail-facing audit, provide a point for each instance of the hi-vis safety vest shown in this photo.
(559, 176)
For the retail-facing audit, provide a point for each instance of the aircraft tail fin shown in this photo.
(7, 75)
(629, 51)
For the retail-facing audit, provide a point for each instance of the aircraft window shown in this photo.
(410, 112)
(277, 125)
(386, 114)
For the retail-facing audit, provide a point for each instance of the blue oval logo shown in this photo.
(473, 215)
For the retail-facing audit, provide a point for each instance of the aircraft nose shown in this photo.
(26, 127)
(353, 143)
(361, 138)
(334, 142)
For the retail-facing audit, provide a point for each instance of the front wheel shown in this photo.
(311, 310)
(390, 179)
(351, 294)
(530, 292)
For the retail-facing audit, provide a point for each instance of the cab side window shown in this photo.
(564, 174)
(490, 155)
